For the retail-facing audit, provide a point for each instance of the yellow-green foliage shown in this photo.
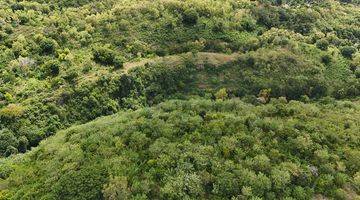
(12, 111)
(65, 62)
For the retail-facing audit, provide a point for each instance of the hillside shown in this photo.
(197, 149)
(179, 99)
(66, 62)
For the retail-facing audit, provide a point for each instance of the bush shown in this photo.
(51, 68)
(103, 55)
(117, 188)
(7, 142)
(190, 16)
(267, 16)
(5, 171)
(357, 72)
(85, 183)
(17, 6)
(47, 46)
(23, 144)
(10, 150)
(347, 51)
(248, 24)
(221, 94)
(12, 111)
(357, 180)
(119, 62)
(280, 178)
(106, 56)
(326, 59)
(71, 76)
(322, 44)
(340, 194)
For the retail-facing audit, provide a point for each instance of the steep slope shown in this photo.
(61, 61)
(197, 149)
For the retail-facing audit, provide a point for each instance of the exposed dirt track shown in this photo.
(200, 59)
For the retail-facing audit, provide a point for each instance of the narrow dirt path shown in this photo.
(200, 58)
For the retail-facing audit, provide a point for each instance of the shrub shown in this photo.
(190, 16)
(103, 55)
(267, 15)
(7, 142)
(119, 62)
(221, 94)
(23, 144)
(117, 188)
(355, 65)
(85, 183)
(24, 18)
(106, 56)
(264, 95)
(17, 6)
(8, 97)
(325, 183)
(5, 171)
(51, 68)
(340, 194)
(326, 59)
(182, 186)
(10, 150)
(47, 46)
(12, 111)
(322, 44)
(357, 72)
(280, 178)
(357, 180)
(347, 51)
(301, 194)
(248, 24)
(71, 76)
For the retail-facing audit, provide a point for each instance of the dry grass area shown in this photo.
(200, 59)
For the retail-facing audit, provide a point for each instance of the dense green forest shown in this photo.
(208, 99)
(198, 149)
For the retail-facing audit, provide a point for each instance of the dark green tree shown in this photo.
(7, 142)
(348, 51)
(190, 16)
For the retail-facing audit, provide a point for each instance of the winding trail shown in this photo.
(200, 59)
